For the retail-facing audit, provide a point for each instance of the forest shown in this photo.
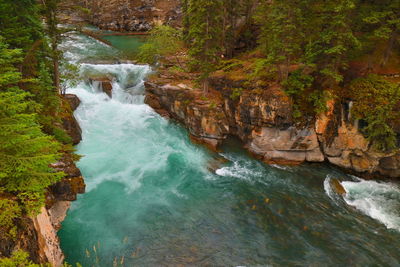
(316, 50)
(31, 135)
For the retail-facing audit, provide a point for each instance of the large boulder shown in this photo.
(73, 101)
(69, 122)
(73, 183)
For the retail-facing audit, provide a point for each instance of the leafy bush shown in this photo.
(19, 259)
(9, 210)
(307, 100)
(375, 100)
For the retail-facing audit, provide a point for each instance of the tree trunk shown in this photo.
(206, 85)
(389, 48)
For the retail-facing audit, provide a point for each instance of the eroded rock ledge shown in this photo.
(263, 121)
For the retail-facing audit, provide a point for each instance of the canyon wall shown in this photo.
(133, 15)
(262, 119)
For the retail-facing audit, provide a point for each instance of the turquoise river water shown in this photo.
(152, 201)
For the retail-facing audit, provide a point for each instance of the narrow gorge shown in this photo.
(156, 199)
(187, 157)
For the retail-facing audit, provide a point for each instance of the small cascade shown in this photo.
(96, 86)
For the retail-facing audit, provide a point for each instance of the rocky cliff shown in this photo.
(262, 119)
(133, 15)
(38, 235)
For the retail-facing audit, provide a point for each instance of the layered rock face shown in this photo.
(133, 15)
(346, 147)
(263, 121)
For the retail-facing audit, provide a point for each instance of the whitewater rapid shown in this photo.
(152, 201)
(377, 199)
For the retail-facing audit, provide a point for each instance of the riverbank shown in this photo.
(154, 198)
(262, 119)
(38, 235)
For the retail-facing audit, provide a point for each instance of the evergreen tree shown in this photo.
(282, 32)
(205, 20)
(50, 10)
(329, 46)
(25, 151)
(381, 21)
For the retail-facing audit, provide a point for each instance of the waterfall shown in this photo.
(151, 200)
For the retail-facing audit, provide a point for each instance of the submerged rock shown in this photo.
(102, 83)
(337, 187)
(216, 163)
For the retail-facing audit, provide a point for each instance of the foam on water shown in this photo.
(328, 188)
(78, 47)
(112, 126)
(378, 200)
(240, 169)
(151, 201)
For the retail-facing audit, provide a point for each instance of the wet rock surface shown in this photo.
(263, 121)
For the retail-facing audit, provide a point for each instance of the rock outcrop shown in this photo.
(347, 148)
(133, 15)
(69, 123)
(262, 119)
(103, 84)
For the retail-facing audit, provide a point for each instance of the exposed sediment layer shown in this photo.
(263, 121)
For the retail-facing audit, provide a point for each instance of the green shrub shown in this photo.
(263, 69)
(306, 99)
(19, 259)
(9, 211)
(375, 101)
(61, 136)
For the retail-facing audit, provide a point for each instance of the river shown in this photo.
(152, 199)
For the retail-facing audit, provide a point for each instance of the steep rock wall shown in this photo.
(263, 121)
(133, 15)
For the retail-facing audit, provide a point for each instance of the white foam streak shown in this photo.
(378, 200)
(240, 171)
